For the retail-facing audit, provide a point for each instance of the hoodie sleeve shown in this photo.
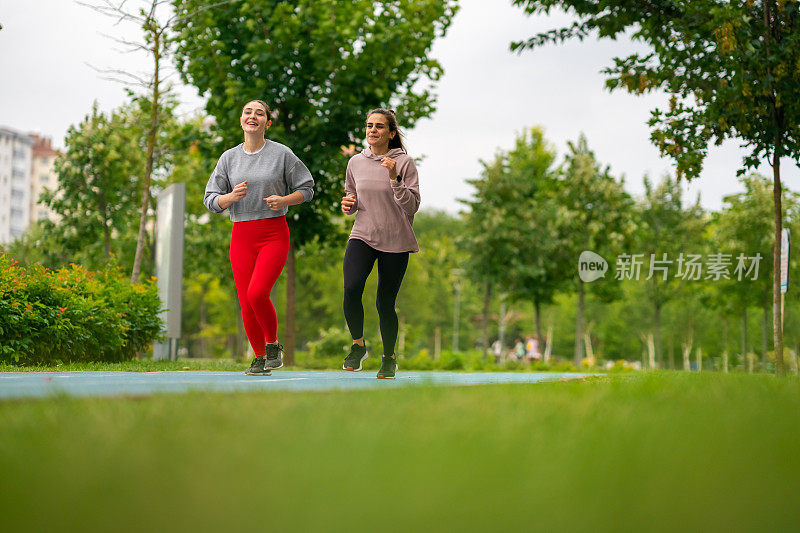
(406, 191)
(350, 187)
(218, 184)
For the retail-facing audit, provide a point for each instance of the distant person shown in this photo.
(519, 350)
(256, 181)
(536, 355)
(382, 190)
(497, 350)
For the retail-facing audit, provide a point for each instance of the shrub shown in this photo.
(332, 342)
(421, 361)
(72, 314)
(449, 361)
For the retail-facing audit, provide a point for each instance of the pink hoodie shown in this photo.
(384, 208)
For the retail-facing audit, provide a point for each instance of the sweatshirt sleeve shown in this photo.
(406, 192)
(350, 187)
(218, 184)
(298, 178)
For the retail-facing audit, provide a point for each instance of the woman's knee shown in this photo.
(257, 293)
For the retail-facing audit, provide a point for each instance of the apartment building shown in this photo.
(16, 153)
(43, 177)
(26, 169)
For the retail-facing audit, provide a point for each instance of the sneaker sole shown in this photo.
(248, 373)
(381, 376)
(276, 367)
(351, 369)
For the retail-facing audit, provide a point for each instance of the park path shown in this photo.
(44, 384)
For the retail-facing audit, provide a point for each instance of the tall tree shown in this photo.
(731, 69)
(512, 229)
(96, 194)
(667, 227)
(538, 270)
(320, 64)
(745, 224)
(596, 215)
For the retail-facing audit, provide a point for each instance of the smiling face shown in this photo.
(254, 119)
(378, 134)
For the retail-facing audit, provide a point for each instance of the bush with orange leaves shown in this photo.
(73, 314)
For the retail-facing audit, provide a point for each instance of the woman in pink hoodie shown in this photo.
(382, 190)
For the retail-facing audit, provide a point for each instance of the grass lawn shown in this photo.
(634, 452)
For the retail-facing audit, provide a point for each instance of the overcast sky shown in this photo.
(485, 98)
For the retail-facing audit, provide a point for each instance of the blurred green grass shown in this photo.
(654, 452)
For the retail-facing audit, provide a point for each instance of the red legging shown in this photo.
(258, 253)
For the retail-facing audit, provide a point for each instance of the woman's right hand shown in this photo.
(348, 203)
(238, 192)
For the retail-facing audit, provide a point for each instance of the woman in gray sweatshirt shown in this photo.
(382, 190)
(256, 181)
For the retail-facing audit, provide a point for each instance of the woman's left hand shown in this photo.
(275, 202)
(389, 164)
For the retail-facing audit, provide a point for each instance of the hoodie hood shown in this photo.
(393, 153)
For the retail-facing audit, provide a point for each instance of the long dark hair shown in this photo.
(391, 119)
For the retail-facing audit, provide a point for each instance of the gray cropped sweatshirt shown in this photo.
(272, 170)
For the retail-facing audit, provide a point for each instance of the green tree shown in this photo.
(667, 228)
(538, 270)
(745, 225)
(96, 195)
(320, 64)
(596, 214)
(731, 69)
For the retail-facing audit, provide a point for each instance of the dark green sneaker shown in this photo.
(257, 367)
(274, 356)
(354, 359)
(388, 367)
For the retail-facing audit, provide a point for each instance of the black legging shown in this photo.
(359, 258)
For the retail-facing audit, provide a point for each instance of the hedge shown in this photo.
(72, 314)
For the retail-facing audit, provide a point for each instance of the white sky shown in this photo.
(486, 96)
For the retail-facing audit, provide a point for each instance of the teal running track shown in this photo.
(45, 384)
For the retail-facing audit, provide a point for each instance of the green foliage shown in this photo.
(96, 196)
(512, 235)
(732, 71)
(314, 62)
(73, 314)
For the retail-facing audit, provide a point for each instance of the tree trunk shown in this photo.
(148, 171)
(744, 337)
(106, 229)
(776, 270)
(485, 338)
(699, 354)
(203, 340)
(437, 343)
(549, 344)
(777, 122)
(687, 350)
(764, 336)
(657, 334)
(671, 353)
(501, 332)
(538, 307)
(291, 303)
(725, 344)
(578, 355)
